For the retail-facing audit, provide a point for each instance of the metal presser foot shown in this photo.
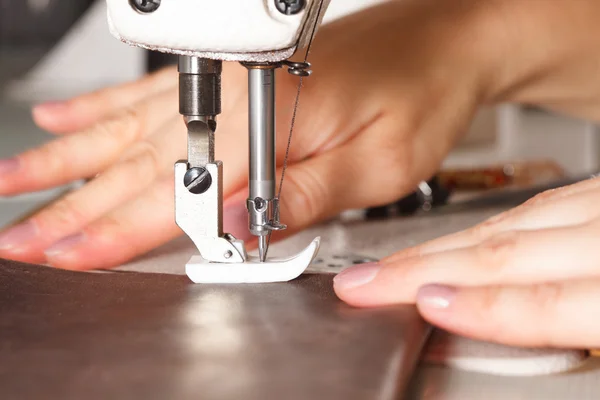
(199, 180)
(223, 258)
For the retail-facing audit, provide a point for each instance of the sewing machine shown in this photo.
(144, 335)
(263, 35)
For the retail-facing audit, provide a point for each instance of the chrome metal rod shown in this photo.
(200, 103)
(261, 128)
(261, 87)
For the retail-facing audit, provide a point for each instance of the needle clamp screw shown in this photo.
(290, 7)
(145, 6)
(260, 204)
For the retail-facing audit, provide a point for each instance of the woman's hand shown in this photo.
(529, 276)
(123, 137)
(394, 88)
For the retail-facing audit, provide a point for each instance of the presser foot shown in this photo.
(252, 270)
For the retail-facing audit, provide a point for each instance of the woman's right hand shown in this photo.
(394, 88)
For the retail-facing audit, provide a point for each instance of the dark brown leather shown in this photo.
(69, 335)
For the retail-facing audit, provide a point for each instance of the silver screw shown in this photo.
(228, 254)
(145, 6)
(197, 180)
(260, 203)
(290, 7)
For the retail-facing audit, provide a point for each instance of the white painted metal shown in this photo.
(252, 270)
(228, 30)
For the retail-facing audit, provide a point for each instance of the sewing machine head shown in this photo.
(263, 35)
(233, 30)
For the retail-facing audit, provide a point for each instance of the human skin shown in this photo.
(395, 88)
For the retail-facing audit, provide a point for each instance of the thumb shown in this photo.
(366, 171)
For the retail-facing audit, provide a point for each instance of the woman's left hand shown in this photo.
(527, 277)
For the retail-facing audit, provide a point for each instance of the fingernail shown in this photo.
(9, 165)
(235, 221)
(64, 245)
(356, 276)
(439, 297)
(17, 236)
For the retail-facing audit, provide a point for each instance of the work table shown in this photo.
(370, 239)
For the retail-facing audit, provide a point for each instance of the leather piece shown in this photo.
(72, 335)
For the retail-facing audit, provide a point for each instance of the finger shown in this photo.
(545, 315)
(86, 153)
(83, 111)
(329, 183)
(510, 258)
(116, 231)
(151, 159)
(300, 210)
(568, 206)
(134, 229)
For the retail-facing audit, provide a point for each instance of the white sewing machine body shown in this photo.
(263, 35)
(375, 239)
(234, 30)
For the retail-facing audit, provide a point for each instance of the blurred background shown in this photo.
(56, 49)
(29, 28)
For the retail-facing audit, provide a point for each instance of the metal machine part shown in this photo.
(254, 270)
(261, 128)
(262, 204)
(200, 216)
(290, 7)
(199, 182)
(199, 179)
(145, 6)
(200, 103)
(274, 30)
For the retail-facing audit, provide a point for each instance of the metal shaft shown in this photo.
(261, 86)
(261, 120)
(200, 103)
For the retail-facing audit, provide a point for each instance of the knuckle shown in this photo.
(489, 227)
(131, 120)
(106, 227)
(50, 155)
(503, 308)
(497, 252)
(493, 305)
(52, 158)
(63, 214)
(543, 302)
(545, 298)
(409, 252)
(540, 198)
(128, 125)
(147, 159)
(491, 299)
